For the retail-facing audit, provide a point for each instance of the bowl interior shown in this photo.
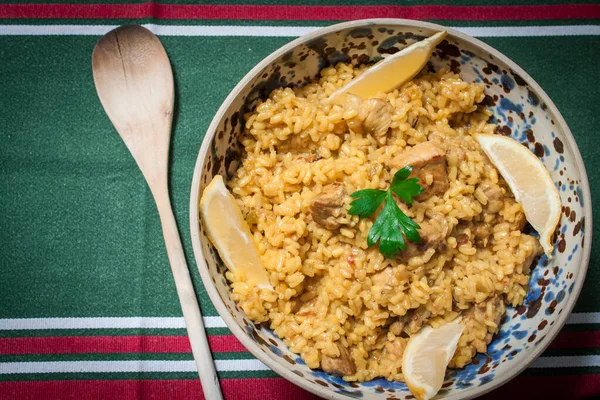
(521, 110)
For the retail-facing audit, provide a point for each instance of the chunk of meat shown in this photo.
(519, 221)
(377, 116)
(305, 309)
(397, 326)
(432, 233)
(342, 365)
(411, 322)
(428, 160)
(304, 303)
(494, 194)
(462, 238)
(482, 232)
(472, 320)
(532, 245)
(415, 322)
(374, 116)
(478, 232)
(387, 282)
(327, 208)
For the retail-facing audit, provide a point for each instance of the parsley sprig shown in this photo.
(392, 225)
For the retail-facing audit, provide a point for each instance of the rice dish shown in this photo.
(338, 303)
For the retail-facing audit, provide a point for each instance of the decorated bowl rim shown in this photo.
(253, 73)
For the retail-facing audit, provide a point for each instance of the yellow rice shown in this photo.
(329, 272)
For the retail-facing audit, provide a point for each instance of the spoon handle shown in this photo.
(188, 299)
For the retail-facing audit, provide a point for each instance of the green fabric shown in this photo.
(79, 218)
(80, 233)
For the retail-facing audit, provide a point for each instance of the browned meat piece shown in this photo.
(328, 206)
(377, 116)
(343, 365)
(478, 232)
(384, 278)
(374, 115)
(472, 320)
(462, 238)
(428, 158)
(432, 232)
(519, 222)
(414, 321)
(482, 232)
(305, 309)
(530, 242)
(310, 158)
(516, 223)
(410, 323)
(494, 194)
(304, 303)
(398, 326)
(499, 307)
(388, 282)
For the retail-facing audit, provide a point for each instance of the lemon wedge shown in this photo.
(391, 72)
(529, 181)
(230, 234)
(426, 357)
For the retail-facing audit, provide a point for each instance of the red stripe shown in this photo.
(250, 389)
(332, 13)
(180, 344)
(548, 387)
(576, 340)
(112, 344)
(534, 387)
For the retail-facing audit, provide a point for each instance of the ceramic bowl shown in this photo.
(521, 110)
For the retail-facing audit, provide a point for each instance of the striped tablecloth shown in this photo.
(88, 308)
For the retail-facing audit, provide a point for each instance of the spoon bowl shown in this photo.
(134, 81)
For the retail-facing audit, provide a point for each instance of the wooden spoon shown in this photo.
(134, 81)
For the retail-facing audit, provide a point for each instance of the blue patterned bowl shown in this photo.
(522, 110)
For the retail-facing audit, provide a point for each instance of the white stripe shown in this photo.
(215, 322)
(13, 324)
(566, 362)
(161, 30)
(584, 318)
(240, 365)
(286, 31)
(508, 31)
(49, 367)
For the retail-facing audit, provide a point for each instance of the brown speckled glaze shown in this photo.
(521, 110)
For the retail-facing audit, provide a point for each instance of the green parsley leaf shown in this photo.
(386, 229)
(367, 202)
(392, 226)
(406, 189)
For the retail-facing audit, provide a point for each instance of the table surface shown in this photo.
(88, 308)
